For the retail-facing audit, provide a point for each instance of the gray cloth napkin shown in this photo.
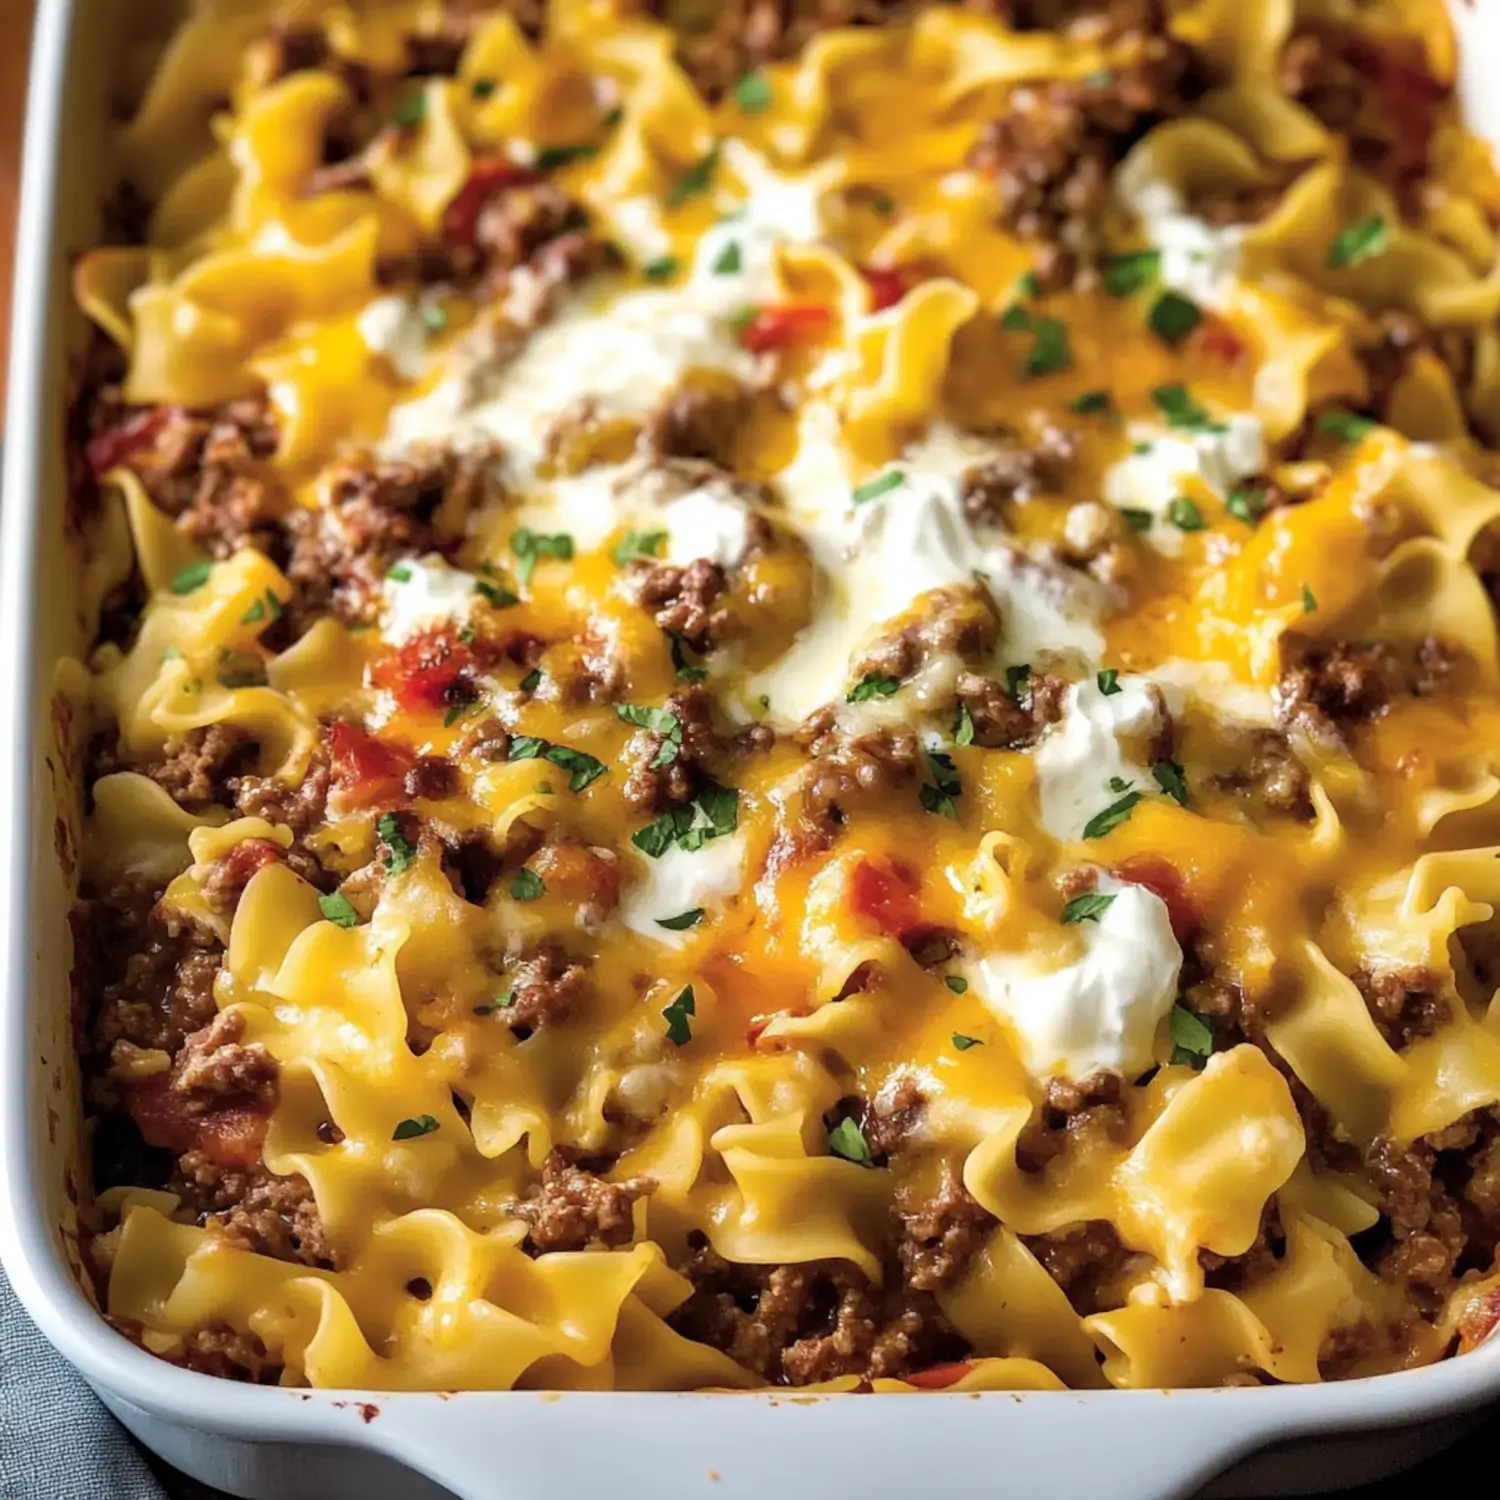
(56, 1441)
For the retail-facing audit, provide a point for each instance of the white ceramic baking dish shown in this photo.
(273, 1444)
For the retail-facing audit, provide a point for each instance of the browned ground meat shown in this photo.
(699, 422)
(796, 1324)
(1334, 684)
(230, 1355)
(379, 510)
(431, 778)
(939, 1235)
(256, 1210)
(1236, 1272)
(1404, 1003)
(198, 767)
(214, 1064)
(1271, 778)
(1071, 1112)
(684, 601)
(650, 786)
(960, 621)
(1082, 1259)
(573, 1208)
(302, 807)
(1019, 473)
(1398, 338)
(514, 225)
(845, 766)
(545, 987)
(888, 1120)
(1052, 150)
(1006, 721)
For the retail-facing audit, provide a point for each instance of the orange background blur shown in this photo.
(15, 29)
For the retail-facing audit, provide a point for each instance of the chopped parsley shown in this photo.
(527, 885)
(483, 88)
(194, 576)
(1169, 777)
(500, 1002)
(714, 812)
(872, 685)
(1346, 426)
(532, 680)
(409, 1130)
(752, 93)
(846, 1139)
(963, 1043)
(239, 669)
(957, 983)
(663, 269)
(682, 922)
(410, 112)
(336, 909)
(1027, 287)
(1192, 1041)
(403, 852)
(494, 593)
(1016, 679)
(399, 572)
(660, 721)
(1092, 403)
(1185, 515)
(694, 181)
(963, 731)
(938, 797)
(881, 484)
(728, 260)
(1125, 275)
(636, 546)
(1109, 681)
(1088, 907)
(685, 669)
(583, 770)
(1173, 317)
(434, 317)
(1136, 520)
(1182, 409)
(1362, 240)
(268, 607)
(457, 711)
(530, 545)
(679, 1033)
(1246, 504)
(1116, 813)
(1050, 351)
(551, 158)
(1309, 600)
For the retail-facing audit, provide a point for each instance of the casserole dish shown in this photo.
(288, 1442)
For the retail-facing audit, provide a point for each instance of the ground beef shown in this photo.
(1083, 1260)
(573, 1208)
(516, 224)
(1009, 721)
(431, 778)
(649, 787)
(214, 1065)
(545, 987)
(1019, 474)
(377, 510)
(302, 808)
(199, 767)
(1331, 685)
(889, 1120)
(488, 740)
(230, 1355)
(939, 1235)
(1271, 778)
(1235, 1273)
(1404, 1003)
(699, 422)
(1070, 1113)
(797, 1324)
(254, 1209)
(1052, 151)
(845, 767)
(687, 602)
(959, 623)
(1398, 337)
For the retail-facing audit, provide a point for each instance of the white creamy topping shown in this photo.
(1080, 756)
(393, 326)
(1197, 259)
(624, 356)
(883, 555)
(710, 521)
(425, 593)
(1104, 1010)
(680, 881)
(1152, 479)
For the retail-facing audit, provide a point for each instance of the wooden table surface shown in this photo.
(1442, 1474)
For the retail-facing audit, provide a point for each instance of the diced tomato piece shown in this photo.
(431, 671)
(1162, 879)
(888, 285)
(887, 896)
(365, 769)
(1218, 341)
(248, 856)
(230, 1136)
(1410, 94)
(940, 1377)
(578, 875)
(487, 177)
(110, 449)
(784, 327)
(1478, 1319)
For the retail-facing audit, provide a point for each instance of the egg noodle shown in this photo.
(812, 705)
